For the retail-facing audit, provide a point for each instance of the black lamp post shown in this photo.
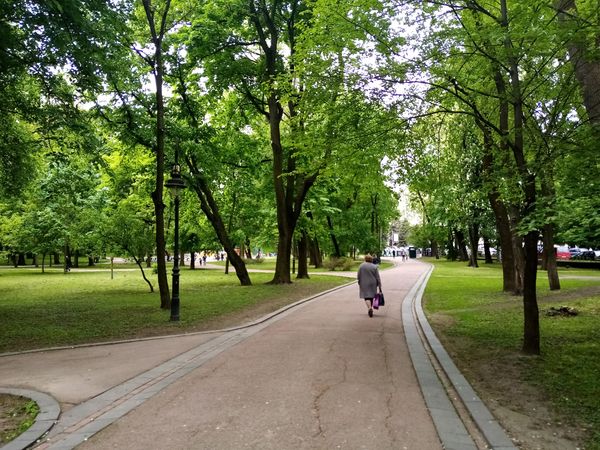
(175, 185)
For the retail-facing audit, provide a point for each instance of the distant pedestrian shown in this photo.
(204, 260)
(369, 282)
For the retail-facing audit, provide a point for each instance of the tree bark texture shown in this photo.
(336, 246)
(303, 256)
(315, 254)
(531, 334)
(290, 187)
(211, 210)
(585, 63)
(461, 246)
(509, 282)
(549, 258)
(486, 250)
(159, 149)
(473, 243)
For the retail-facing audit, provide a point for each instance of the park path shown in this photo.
(319, 375)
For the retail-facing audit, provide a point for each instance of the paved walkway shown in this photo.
(318, 375)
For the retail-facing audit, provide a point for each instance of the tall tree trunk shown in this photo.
(248, 248)
(486, 251)
(435, 249)
(531, 334)
(211, 211)
(290, 187)
(531, 321)
(474, 244)
(315, 254)
(581, 47)
(549, 257)
(549, 253)
(303, 256)
(461, 246)
(159, 147)
(452, 253)
(192, 260)
(139, 261)
(517, 248)
(336, 246)
(283, 199)
(509, 281)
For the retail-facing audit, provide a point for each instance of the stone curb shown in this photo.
(491, 430)
(46, 418)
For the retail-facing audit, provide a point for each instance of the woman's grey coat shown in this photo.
(368, 280)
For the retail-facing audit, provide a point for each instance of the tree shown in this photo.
(493, 64)
(581, 22)
(265, 51)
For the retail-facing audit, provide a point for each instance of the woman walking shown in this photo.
(368, 282)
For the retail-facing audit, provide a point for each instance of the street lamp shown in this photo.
(175, 184)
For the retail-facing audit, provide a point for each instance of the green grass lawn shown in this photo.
(481, 325)
(39, 310)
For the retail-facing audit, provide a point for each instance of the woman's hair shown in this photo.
(368, 258)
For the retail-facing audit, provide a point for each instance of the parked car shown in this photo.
(562, 252)
(575, 252)
(588, 255)
(582, 254)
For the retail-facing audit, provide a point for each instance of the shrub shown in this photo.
(344, 263)
(254, 261)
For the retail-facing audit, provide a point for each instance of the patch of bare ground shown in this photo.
(13, 413)
(566, 296)
(522, 408)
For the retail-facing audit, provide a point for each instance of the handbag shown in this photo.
(381, 299)
(376, 301)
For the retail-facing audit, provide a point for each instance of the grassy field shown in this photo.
(482, 328)
(55, 309)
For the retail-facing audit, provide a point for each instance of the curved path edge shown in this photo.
(450, 426)
(89, 417)
(46, 418)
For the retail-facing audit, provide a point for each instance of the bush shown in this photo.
(344, 263)
(254, 261)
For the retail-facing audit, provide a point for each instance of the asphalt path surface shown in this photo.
(319, 375)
